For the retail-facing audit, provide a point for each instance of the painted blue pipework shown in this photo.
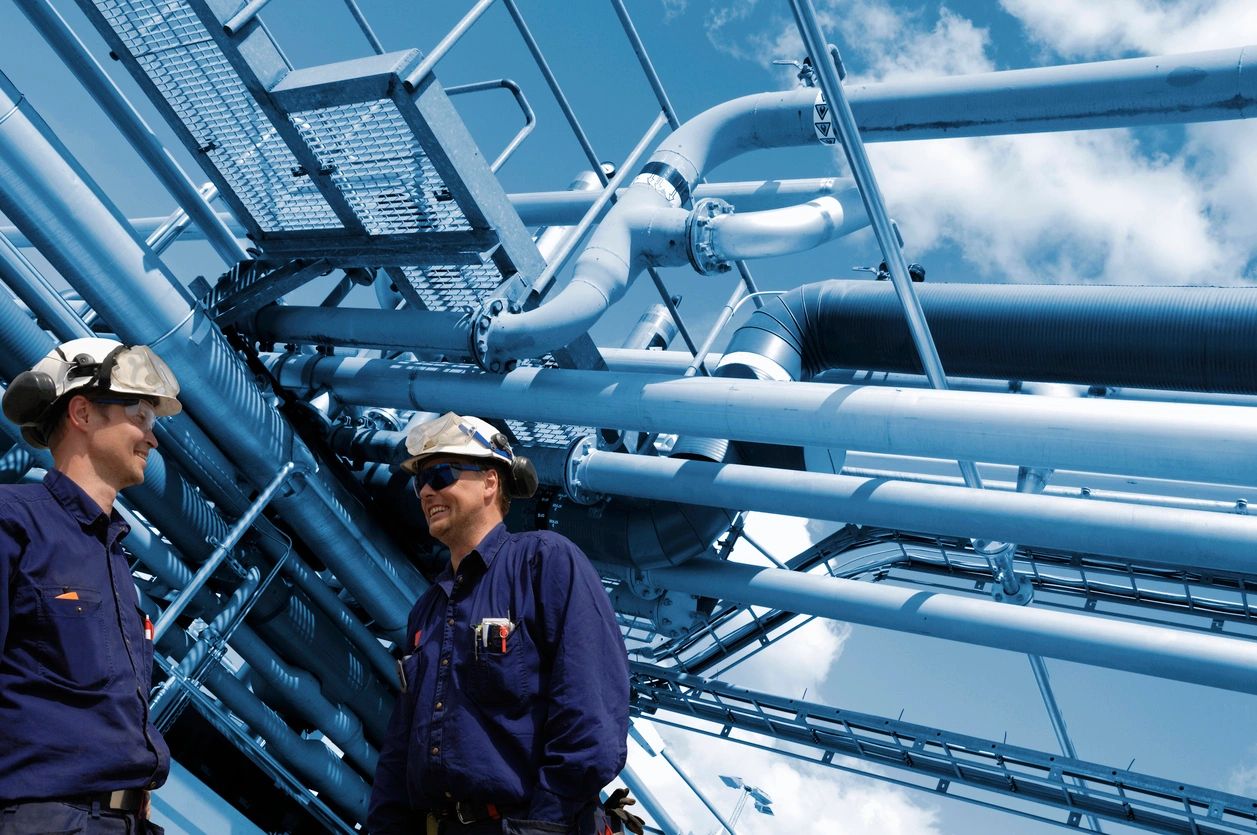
(72, 51)
(63, 211)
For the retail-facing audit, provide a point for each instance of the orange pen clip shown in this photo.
(68, 595)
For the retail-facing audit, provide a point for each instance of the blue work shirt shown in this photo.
(75, 663)
(539, 721)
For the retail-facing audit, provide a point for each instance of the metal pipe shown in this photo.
(1198, 658)
(71, 50)
(553, 83)
(421, 72)
(643, 58)
(176, 223)
(1057, 719)
(564, 208)
(1171, 440)
(726, 313)
(774, 232)
(58, 205)
(361, 20)
(221, 552)
(706, 801)
(650, 803)
(242, 18)
(1185, 538)
(530, 119)
(595, 212)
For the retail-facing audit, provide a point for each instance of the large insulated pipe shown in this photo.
(1187, 338)
(1194, 657)
(63, 211)
(1169, 440)
(1202, 86)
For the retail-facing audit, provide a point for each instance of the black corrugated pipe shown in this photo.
(650, 534)
(642, 534)
(1182, 338)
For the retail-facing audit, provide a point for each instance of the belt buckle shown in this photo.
(458, 813)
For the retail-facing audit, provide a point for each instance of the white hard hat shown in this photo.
(89, 364)
(469, 437)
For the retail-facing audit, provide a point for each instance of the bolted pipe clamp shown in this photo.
(577, 455)
(700, 236)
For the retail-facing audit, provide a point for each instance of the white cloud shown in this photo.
(1087, 29)
(1243, 779)
(806, 798)
(1065, 207)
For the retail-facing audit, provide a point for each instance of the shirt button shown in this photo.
(153, 785)
(450, 796)
(439, 706)
(445, 662)
(450, 621)
(435, 750)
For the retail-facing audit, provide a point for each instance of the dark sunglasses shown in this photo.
(441, 476)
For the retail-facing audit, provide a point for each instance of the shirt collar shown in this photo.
(78, 504)
(486, 550)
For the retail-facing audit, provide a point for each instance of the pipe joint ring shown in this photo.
(700, 232)
(480, 347)
(577, 455)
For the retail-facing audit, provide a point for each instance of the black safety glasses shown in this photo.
(441, 476)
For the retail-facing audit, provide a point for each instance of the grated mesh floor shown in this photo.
(453, 288)
(200, 85)
(379, 166)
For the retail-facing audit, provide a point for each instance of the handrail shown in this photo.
(530, 118)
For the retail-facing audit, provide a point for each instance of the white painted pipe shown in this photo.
(1163, 440)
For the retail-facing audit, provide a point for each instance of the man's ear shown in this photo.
(492, 472)
(78, 412)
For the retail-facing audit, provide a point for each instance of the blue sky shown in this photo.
(1168, 206)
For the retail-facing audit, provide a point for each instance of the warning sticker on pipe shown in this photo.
(822, 120)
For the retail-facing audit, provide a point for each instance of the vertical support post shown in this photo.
(220, 553)
(711, 807)
(641, 791)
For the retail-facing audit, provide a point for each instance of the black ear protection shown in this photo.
(30, 399)
(521, 474)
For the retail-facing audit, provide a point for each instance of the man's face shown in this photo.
(462, 506)
(120, 440)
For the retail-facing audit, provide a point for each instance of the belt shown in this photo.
(132, 801)
(470, 811)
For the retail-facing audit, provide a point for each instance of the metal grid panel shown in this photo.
(530, 433)
(172, 47)
(377, 163)
(453, 288)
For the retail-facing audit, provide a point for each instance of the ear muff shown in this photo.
(522, 474)
(29, 397)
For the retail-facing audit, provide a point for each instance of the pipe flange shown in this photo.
(641, 585)
(700, 232)
(1021, 597)
(482, 323)
(577, 454)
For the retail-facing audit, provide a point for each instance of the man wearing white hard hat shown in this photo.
(77, 750)
(514, 711)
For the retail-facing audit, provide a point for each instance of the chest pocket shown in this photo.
(498, 677)
(74, 637)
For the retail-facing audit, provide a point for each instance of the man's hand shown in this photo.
(616, 806)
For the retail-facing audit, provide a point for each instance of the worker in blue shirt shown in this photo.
(77, 752)
(514, 711)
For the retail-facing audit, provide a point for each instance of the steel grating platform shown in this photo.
(341, 164)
